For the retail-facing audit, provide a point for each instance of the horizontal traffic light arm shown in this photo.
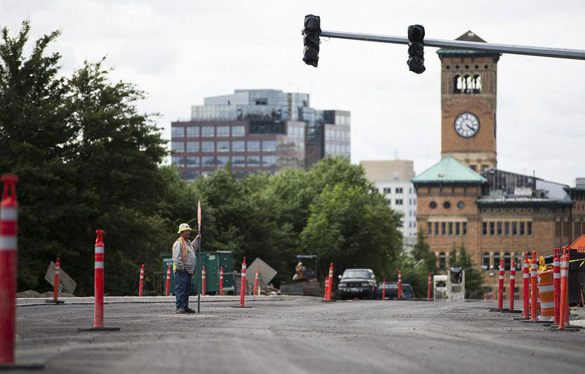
(574, 54)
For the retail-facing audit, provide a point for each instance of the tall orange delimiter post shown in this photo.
(98, 315)
(8, 268)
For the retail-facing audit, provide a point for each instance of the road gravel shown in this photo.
(295, 335)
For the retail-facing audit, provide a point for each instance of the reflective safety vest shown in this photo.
(184, 250)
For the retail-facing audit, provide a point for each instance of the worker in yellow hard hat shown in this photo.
(184, 267)
(541, 264)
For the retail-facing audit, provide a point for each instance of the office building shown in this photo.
(257, 130)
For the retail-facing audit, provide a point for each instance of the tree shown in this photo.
(86, 160)
(422, 252)
(352, 226)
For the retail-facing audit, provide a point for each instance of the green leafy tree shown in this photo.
(86, 160)
(352, 227)
(421, 252)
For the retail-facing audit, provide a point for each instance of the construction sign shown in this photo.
(579, 244)
(65, 281)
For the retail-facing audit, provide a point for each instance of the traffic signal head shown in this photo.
(311, 34)
(416, 60)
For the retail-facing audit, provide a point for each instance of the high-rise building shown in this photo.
(257, 130)
(392, 179)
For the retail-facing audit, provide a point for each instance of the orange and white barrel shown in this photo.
(546, 291)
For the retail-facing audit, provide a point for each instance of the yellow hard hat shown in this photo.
(183, 227)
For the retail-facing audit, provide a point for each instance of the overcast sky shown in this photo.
(181, 51)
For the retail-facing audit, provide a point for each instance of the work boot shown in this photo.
(181, 311)
(189, 310)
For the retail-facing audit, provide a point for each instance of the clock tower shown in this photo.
(468, 105)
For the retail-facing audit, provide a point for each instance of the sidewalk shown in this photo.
(20, 302)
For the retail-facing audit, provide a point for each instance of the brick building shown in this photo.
(465, 199)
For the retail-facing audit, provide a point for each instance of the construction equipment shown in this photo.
(450, 287)
(306, 280)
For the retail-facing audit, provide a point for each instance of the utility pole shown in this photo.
(417, 38)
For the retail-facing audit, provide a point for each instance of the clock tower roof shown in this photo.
(468, 36)
(448, 171)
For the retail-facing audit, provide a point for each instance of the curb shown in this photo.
(23, 302)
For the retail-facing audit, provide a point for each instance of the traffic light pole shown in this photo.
(574, 54)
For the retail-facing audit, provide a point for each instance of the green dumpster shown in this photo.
(212, 262)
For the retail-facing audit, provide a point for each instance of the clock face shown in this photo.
(466, 125)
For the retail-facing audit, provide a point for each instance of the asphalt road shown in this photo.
(298, 335)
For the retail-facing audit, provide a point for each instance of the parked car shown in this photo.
(392, 291)
(360, 283)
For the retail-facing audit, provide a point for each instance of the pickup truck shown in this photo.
(357, 283)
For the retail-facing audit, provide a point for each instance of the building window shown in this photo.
(514, 228)
(238, 146)
(207, 147)
(193, 131)
(387, 190)
(499, 228)
(457, 224)
(192, 146)
(223, 146)
(178, 161)
(223, 131)
(528, 228)
(222, 160)
(442, 260)
(207, 131)
(253, 146)
(269, 146)
(464, 228)
(496, 260)
(450, 228)
(429, 228)
(492, 224)
(178, 132)
(398, 201)
(208, 161)
(521, 228)
(178, 146)
(398, 189)
(193, 161)
(507, 228)
(238, 161)
(484, 228)
(486, 260)
(443, 228)
(254, 161)
(461, 205)
(432, 205)
(238, 130)
(446, 205)
(268, 161)
(436, 228)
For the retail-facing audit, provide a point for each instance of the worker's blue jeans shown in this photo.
(182, 288)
